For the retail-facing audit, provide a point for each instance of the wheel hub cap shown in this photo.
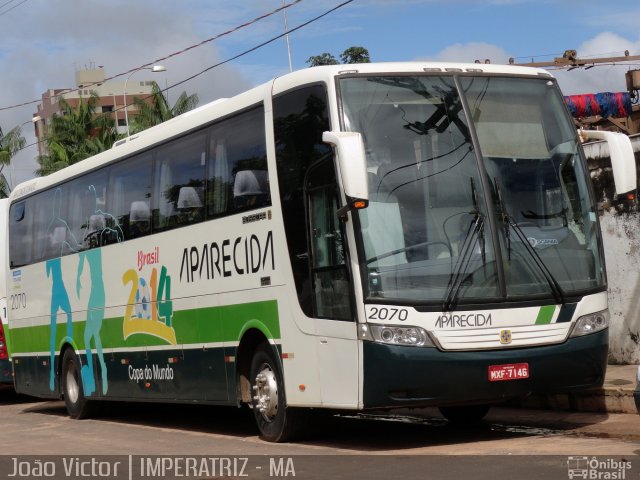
(73, 390)
(266, 393)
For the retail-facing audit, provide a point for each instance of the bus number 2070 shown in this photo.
(384, 313)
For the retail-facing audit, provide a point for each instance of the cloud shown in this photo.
(469, 52)
(66, 36)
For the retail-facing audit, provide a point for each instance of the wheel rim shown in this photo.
(266, 392)
(72, 388)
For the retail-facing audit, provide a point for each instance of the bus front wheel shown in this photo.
(276, 422)
(74, 399)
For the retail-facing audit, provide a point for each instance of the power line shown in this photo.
(271, 40)
(252, 49)
(180, 52)
(9, 9)
(6, 3)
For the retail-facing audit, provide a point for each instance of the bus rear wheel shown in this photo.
(276, 422)
(78, 406)
(465, 414)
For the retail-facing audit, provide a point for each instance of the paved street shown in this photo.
(535, 439)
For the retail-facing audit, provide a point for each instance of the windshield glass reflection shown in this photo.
(426, 234)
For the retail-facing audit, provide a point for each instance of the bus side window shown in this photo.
(130, 195)
(53, 237)
(299, 118)
(238, 178)
(21, 240)
(87, 209)
(179, 183)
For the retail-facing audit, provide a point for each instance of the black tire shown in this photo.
(465, 414)
(78, 406)
(276, 422)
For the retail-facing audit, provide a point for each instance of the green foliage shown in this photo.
(158, 109)
(76, 134)
(10, 144)
(322, 59)
(350, 55)
(355, 55)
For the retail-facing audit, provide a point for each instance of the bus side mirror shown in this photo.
(623, 162)
(352, 163)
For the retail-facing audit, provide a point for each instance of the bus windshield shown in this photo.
(478, 191)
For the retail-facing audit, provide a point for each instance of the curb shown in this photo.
(617, 395)
(601, 400)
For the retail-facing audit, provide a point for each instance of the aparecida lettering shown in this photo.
(238, 256)
(464, 320)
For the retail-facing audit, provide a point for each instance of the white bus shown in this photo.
(345, 237)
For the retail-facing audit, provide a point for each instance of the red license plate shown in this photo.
(512, 371)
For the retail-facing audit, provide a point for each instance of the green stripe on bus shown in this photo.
(202, 325)
(545, 314)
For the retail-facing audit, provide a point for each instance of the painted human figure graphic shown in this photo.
(95, 315)
(59, 235)
(96, 231)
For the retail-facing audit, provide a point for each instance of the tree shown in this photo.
(10, 144)
(350, 55)
(322, 59)
(158, 109)
(355, 55)
(75, 134)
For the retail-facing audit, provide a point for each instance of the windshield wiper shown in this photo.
(474, 234)
(509, 223)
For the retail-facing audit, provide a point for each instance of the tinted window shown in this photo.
(180, 182)
(88, 217)
(129, 200)
(21, 240)
(237, 174)
(118, 203)
(52, 236)
(300, 117)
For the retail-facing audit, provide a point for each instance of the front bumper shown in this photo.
(399, 376)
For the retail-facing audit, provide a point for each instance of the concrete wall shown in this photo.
(620, 224)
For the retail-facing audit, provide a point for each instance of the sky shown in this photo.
(45, 41)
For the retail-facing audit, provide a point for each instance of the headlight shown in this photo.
(395, 335)
(594, 322)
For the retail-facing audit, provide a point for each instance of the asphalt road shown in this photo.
(416, 444)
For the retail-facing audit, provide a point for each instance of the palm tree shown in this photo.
(10, 144)
(76, 134)
(158, 110)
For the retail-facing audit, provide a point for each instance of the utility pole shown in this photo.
(570, 60)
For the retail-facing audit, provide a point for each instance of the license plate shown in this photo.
(512, 371)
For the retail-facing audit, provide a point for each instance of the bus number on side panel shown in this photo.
(18, 301)
(387, 313)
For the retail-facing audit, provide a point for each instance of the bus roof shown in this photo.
(222, 107)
